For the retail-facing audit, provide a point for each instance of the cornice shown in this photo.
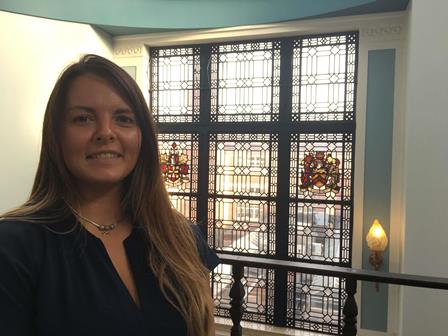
(370, 26)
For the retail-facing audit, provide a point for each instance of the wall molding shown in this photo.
(370, 26)
(382, 31)
(128, 51)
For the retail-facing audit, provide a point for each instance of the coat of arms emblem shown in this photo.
(320, 173)
(174, 166)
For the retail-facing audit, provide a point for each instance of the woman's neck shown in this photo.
(101, 205)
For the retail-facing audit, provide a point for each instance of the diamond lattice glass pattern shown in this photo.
(175, 82)
(243, 173)
(324, 78)
(221, 282)
(314, 302)
(315, 231)
(245, 82)
(258, 285)
(319, 220)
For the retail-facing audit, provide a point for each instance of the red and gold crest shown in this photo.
(320, 173)
(174, 166)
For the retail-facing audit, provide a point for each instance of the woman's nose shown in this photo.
(104, 131)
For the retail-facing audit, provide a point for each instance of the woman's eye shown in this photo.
(125, 119)
(82, 119)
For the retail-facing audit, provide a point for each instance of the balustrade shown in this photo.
(352, 275)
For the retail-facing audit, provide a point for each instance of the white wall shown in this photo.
(426, 162)
(33, 51)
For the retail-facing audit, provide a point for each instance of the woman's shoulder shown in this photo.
(21, 239)
(41, 223)
(19, 230)
(21, 260)
(207, 255)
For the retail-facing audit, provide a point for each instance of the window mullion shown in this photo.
(280, 290)
(204, 117)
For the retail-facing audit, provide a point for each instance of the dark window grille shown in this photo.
(268, 128)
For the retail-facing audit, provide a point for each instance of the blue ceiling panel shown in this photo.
(120, 17)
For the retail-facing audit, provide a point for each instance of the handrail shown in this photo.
(352, 275)
(342, 272)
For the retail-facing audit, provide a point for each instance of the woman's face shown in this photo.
(100, 137)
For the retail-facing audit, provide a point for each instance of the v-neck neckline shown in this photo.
(126, 246)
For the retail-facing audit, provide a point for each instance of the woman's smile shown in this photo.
(104, 155)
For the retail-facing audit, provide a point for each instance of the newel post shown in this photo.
(350, 309)
(237, 298)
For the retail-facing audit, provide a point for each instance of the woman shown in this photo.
(98, 249)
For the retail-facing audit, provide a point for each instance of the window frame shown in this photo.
(283, 128)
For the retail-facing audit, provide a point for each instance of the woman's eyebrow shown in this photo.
(123, 110)
(81, 108)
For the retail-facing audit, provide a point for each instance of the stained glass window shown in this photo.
(257, 146)
(320, 202)
(179, 165)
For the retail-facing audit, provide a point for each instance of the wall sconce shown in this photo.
(377, 243)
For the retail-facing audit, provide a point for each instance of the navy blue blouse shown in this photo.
(66, 284)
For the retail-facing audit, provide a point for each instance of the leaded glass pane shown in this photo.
(243, 166)
(179, 166)
(314, 302)
(320, 197)
(221, 283)
(186, 205)
(321, 166)
(245, 81)
(315, 231)
(324, 78)
(346, 233)
(258, 285)
(175, 84)
(243, 174)
(244, 226)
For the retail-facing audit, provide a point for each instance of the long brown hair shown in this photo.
(173, 259)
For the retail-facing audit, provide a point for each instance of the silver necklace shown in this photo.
(104, 229)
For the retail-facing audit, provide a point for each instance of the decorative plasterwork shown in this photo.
(388, 31)
(372, 27)
(128, 51)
